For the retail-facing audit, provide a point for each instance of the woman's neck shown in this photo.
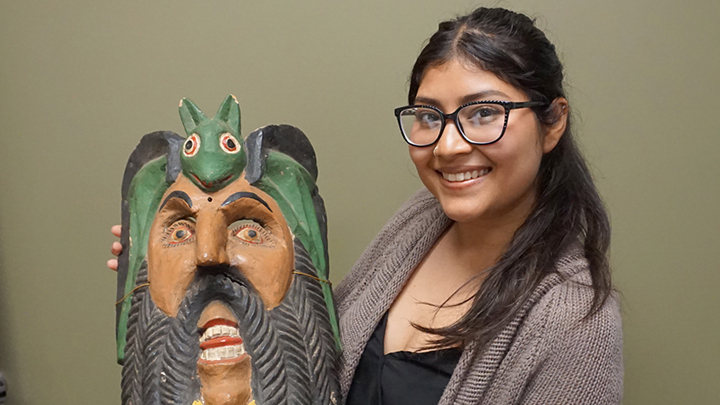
(485, 240)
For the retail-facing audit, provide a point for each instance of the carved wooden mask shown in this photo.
(222, 286)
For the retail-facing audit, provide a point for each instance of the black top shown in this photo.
(400, 378)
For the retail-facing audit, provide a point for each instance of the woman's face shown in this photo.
(498, 185)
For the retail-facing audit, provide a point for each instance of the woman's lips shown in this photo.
(465, 175)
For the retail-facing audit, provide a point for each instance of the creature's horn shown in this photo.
(229, 112)
(190, 115)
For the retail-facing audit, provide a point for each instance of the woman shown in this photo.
(492, 286)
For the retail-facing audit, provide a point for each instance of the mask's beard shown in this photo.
(291, 347)
(160, 354)
(306, 340)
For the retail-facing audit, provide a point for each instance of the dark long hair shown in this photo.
(568, 208)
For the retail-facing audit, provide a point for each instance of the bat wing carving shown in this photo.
(151, 168)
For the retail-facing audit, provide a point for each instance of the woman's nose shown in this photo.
(451, 142)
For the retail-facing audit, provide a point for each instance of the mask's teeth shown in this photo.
(223, 353)
(218, 331)
(229, 351)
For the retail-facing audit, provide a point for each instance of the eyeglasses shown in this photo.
(479, 122)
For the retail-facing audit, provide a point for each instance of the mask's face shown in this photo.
(236, 229)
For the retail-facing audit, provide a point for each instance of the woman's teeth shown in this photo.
(453, 177)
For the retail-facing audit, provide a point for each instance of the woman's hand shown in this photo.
(116, 248)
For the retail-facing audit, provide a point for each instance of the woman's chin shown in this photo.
(462, 212)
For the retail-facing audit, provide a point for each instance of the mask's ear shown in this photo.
(190, 115)
(229, 112)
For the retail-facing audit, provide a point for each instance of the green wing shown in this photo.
(281, 162)
(151, 168)
(293, 188)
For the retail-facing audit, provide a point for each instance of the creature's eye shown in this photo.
(178, 233)
(228, 143)
(191, 145)
(250, 232)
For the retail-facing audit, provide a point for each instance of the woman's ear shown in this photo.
(556, 129)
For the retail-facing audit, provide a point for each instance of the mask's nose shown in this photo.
(211, 241)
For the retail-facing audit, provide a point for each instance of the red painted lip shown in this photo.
(212, 183)
(218, 321)
(220, 342)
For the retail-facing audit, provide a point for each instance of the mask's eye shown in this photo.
(228, 143)
(191, 145)
(250, 232)
(178, 233)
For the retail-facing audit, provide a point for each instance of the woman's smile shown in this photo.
(464, 175)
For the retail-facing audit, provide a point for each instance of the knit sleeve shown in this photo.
(579, 360)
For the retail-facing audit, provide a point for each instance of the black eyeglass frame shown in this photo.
(507, 105)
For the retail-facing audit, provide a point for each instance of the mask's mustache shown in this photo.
(228, 285)
(224, 270)
(215, 283)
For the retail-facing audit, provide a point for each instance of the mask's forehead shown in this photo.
(234, 194)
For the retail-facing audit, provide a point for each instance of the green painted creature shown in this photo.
(223, 291)
(212, 156)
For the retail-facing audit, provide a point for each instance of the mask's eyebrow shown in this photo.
(177, 194)
(245, 194)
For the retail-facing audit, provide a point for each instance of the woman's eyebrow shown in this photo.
(426, 100)
(482, 95)
(245, 194)
(468, 98)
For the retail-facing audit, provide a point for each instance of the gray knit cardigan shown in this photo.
(547, 355)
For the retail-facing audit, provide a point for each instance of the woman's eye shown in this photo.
(249, 231)
(484, 114)
(427, 118)
(178, 233)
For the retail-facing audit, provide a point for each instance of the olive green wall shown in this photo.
(82, 81)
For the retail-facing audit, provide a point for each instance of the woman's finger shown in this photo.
(116, 248)
(112, 264)
(116, 230)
